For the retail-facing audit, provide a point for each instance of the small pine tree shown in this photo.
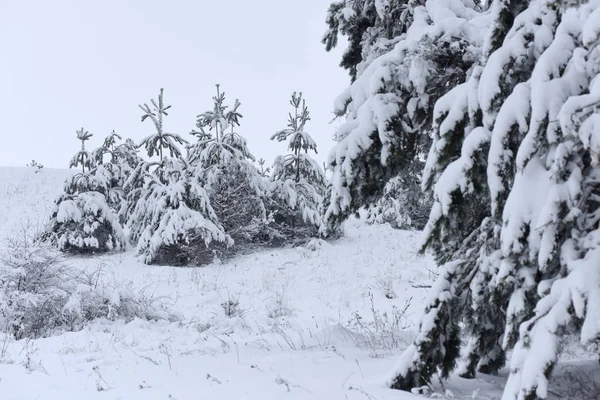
(298, 184)
(223, 165)
(168, 210)
(36, 166)
(116, 163)
(82, 220)
(173, 220)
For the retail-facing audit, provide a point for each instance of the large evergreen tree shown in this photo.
(516, 144)
(403, 56)
(371, 27)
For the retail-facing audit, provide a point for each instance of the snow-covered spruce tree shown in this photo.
(115, 162)
(412, 52)
(222, 164)
(82, 220)
(297, 182)
(156, 144)
(517, 142)
(172, 219)
(371, 27)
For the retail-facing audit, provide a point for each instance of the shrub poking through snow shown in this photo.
(40, 295)
(82, 220)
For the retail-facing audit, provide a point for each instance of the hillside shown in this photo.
(322, 322)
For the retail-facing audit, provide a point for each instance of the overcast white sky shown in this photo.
(65, 64)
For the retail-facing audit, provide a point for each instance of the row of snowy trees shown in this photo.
(501, 100)
(186, 209)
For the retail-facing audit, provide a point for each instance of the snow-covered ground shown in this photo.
(320, 322)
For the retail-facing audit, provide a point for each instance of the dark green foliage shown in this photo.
(362, 163)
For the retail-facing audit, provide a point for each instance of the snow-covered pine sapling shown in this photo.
(298, 183)
(115, 162)
(223, 165)
(299, 140)
(161, 141)
(82, 220)
(173, 220)
(169, 212)
(35, 165)
(82, 157)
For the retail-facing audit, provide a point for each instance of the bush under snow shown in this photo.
(41, 295)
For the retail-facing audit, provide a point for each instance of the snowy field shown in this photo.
(327, 321)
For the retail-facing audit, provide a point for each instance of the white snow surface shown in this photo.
(290, 339)
(294, 336)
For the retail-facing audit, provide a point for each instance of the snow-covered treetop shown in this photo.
(82, 157)
(120, 154)
(218, 120)
(83, 135)
(161, 140)
(107, 147)
(298, 139)
(262, 169)
(218, 142)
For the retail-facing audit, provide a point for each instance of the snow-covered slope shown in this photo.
(322, 322)
(26, 197)
(304, 326)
